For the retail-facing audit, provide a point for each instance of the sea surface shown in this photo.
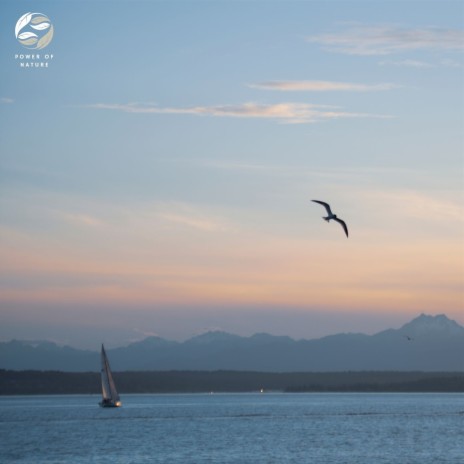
(260, 428)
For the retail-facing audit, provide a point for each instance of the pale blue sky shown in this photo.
(159, 172)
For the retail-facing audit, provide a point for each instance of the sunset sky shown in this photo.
(157, 176)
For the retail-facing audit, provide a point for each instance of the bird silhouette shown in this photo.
(330, 215)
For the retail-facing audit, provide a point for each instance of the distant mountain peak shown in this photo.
(426, 324)
(34, 343)
(213, 336)
(153, 340)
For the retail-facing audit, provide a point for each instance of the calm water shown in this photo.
(235, 428)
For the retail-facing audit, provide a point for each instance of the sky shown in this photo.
(157, 168)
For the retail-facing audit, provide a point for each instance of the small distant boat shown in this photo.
(110, 396)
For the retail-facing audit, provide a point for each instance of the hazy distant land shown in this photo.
(427, 343)
(425, 355)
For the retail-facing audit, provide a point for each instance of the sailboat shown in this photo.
(110, 396)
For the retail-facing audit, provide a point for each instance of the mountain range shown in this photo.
(427, 343)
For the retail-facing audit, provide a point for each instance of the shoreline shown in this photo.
(31, 382)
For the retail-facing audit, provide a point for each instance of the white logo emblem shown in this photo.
(34, 31)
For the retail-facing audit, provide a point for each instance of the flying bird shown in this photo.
(332, 215)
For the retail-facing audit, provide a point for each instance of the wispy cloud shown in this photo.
(193, 221)
(406, 63)
(336, 174)
(385, 40)
(419, 205)
(81, 219)
(284, 112)
(153, 215)
(320, 86)
(144, 333)
(452, 63)
(447, 63)
(6, 100)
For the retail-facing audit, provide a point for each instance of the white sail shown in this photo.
(109, 392)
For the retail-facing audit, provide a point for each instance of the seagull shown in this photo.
(332, 216)
(409, 338)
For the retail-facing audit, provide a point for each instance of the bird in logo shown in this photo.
(330, 215)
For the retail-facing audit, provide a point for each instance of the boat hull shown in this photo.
(110, 404)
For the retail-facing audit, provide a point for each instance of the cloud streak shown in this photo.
(418, 205)
(82, 219)
(202, 223)
(292, 113)
(320, 86)
(386, 40)
(406, 63)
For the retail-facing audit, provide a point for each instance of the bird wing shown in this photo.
(325, 205)
(343, 225)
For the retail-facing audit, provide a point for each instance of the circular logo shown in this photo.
(34, 31)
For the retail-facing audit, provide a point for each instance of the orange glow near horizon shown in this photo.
(339, 275)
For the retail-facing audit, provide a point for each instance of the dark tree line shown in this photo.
(55, 382)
